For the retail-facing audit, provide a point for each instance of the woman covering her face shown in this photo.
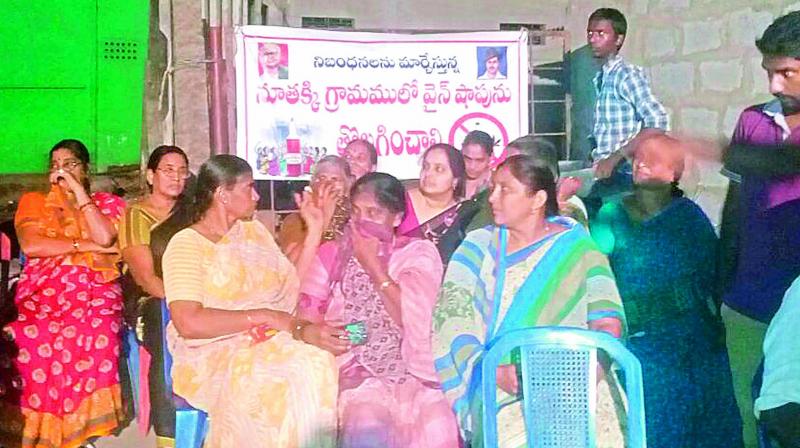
(62, 388)
(374, 292)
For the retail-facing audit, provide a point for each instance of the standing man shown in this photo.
(477, 149)
(760, 250)
(625, 110)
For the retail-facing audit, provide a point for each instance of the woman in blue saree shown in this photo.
(532, 268)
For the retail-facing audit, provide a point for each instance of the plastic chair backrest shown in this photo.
(559, 386)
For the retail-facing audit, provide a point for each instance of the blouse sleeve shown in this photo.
(292, 231)
(134, 228)
(418, 271)
(29, 211)
(110, 205)
(183, 269)
(315, 286)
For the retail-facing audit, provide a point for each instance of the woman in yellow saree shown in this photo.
(231, 293)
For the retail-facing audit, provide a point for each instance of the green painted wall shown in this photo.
(71, 69)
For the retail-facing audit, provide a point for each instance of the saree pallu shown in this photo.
(561, 280)
(62, 385)
(446, 230)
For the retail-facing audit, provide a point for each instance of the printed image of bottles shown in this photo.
(293, 158)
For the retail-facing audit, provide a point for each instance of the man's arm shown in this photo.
(762, 161)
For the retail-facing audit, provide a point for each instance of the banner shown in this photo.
(303, 94)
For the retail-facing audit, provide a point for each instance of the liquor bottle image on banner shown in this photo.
(294, 159)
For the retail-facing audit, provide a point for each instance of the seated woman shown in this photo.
(167, 172)
(231, 294)
(330, 184)
(66, 390)
(435, 210)
(385, 286)
(662, 250)
(542, 250)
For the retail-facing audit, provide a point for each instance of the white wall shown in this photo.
(431, 14)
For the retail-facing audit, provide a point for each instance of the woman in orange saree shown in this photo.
(62, 386)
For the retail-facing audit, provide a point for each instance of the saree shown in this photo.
(666, 310)
(446, 230)
(143, 314)
(560, 280)
(62, 386)
(277, 392)
(389, 395)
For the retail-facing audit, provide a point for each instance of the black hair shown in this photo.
(160, 152)
(79, 150)
(670, 147)
(456, 162)
(536, 176)
(782, 37)
(222, 170)
(155, 158)
(482, 139)
(373, 152)
(540, 149)
(617, 19)
(175, 222)
(388, 191)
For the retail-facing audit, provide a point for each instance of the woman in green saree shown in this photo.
(531, 268)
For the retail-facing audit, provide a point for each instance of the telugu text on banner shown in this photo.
(303, 94)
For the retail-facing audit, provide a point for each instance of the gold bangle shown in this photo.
(89, 204)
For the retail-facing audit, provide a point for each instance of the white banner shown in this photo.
(303, 94)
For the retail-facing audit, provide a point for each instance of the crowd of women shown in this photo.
(363, 322)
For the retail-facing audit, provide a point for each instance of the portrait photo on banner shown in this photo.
(492, 62)
(273, 61)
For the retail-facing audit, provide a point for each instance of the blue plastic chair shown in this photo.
(559, 386)
(191, 425)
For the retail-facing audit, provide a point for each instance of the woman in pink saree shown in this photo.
(375, 293)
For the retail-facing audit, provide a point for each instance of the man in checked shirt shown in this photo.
(626, 110)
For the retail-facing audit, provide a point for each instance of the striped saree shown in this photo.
(560, 280)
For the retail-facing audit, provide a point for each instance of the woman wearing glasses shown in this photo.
(62, 387)
(167, 172)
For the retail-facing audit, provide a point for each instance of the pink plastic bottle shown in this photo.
(294, 159)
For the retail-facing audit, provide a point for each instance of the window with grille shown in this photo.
(328, 23)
